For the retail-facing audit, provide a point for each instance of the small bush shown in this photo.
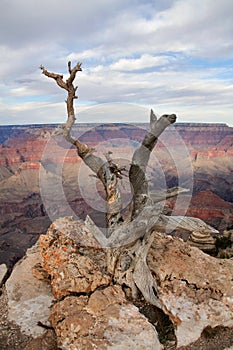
(223, 243)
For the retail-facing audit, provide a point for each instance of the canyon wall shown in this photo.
(27, 151)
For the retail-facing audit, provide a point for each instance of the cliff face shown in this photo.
(203, 135)
(22, 155)
(209, 207)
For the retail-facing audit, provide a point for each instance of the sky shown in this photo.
(175, 56)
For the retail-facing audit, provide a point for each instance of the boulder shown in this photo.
(73, 258)
(105, 320)
(29, 299)
(90, 313)
(195, 289)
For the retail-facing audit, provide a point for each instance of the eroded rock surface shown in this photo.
(29, 299)
(203, 241)
(101, 317)
(73, 259)
(196, 290)
(91, 312)
(103, 321)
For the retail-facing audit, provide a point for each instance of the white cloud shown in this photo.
(133, 51)
(114, 112)
(23, 91)
(202, 28)
(145, 61)
(33, 113)
(86, 54)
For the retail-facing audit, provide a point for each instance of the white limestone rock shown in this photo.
(29, 299)
(195, 289)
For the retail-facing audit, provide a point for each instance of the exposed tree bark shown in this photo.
(141, 157)
(128, 246)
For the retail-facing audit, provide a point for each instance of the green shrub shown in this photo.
(223, 242)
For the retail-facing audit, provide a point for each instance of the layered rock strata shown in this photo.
(203, 241)
(22, 154)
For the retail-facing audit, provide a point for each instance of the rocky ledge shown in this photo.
(63, 284)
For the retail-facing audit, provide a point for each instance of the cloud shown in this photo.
(169, 53)
(192, 27)
(22, 21)
(114, 112)
(203, 27)
(33, 113)
(145, 61)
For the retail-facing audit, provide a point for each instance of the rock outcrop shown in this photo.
(195, 290)
(89, 310)
(105, 320)
(101, 317)
(73, 259)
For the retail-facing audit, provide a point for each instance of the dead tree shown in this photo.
(127, 240)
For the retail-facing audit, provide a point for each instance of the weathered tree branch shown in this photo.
(101, 168)
(68, 86)
(142, 276)
(150, 218)
(140, 160)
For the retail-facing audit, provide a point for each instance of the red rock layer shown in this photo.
(210, 208)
